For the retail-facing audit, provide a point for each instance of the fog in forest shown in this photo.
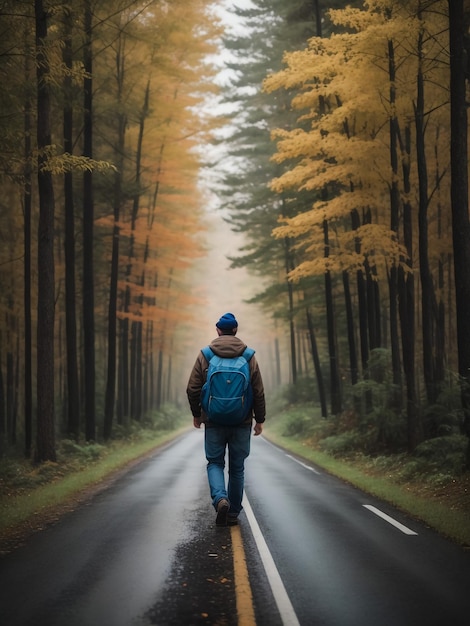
(222, 288)
(225, 290)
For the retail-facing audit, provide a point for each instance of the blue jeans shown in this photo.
(217, 439)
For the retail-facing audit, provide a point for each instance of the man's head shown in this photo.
(227, 325)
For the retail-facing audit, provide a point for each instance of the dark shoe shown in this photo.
(222, 512)
(232, 520)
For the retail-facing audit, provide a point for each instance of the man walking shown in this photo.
(219, 436)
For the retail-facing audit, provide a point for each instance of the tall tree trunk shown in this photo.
(335, 388)
(318, 18)
(73, 393)
(151, 368)
(122, 406)
(428, 298)
(300, 354)
(2, 406)
(440, 357)
(159, 379)
(110, 397)
(372, 300)
(168, 395)
(406, 285)
(137, 330)
(27, 201)
(394, 225)
(459, 198)
(146, 369)
(362, 301)
(317, 364)
(128, 361)
(353, 359)
(45, 439)
(11, 418)
(277, 359)
(123, 365)
(290, 297)
(88, 229)
(133, 369)
(353, 364)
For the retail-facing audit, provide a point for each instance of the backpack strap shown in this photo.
(207, 352)
(248, 353)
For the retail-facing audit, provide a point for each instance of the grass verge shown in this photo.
(26, 508)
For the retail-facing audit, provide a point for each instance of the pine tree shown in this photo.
(45, 440)
(459, 193)
(272, 28)
(339, 147)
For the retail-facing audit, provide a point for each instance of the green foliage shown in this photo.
(343, 443)
(296, 405)
(20, 475)
(304, 391)
(444, 454)
(436, 461)
(298, 420)
(168, 417)
(87, 452)
(385, 421)
(299, 423)
(165, 419)
(446, 415)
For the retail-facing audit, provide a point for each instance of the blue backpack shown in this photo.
(226, 396)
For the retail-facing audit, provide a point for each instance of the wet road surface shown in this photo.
(347, 559)
(107, 563)
(146, 551)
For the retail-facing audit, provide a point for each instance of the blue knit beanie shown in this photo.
(227, 322)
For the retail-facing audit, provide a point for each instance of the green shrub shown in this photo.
(300, 425)
(304, 391)
(16, 474)
(446, 454)
(343, 443)
(86, 452)
(9, 468)
(302, 421)
(165, 419)
(168, 417)
(446, 415)
(23, 476)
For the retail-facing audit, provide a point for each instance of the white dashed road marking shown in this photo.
(389, 519)
(312, 469)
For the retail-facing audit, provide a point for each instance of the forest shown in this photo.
(345, 170)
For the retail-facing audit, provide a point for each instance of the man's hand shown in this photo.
(258, 429)
(197, 422)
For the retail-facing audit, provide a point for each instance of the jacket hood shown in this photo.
(227, 346)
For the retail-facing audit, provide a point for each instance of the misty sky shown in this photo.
(225, 289)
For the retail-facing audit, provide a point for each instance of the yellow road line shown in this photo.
(244, 598)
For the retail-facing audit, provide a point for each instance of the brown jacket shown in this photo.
(226, 346)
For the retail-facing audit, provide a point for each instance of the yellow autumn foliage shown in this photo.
(341, 88)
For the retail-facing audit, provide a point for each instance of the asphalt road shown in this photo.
(343, 564)
(146, 551)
